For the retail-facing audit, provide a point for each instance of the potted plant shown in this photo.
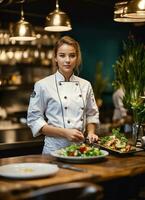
(130, 75)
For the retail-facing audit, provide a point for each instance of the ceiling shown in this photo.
(35, 11)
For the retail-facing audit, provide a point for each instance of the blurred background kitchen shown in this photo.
(24, 62)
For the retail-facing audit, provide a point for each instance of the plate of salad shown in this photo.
(117, 142)
(80, 153)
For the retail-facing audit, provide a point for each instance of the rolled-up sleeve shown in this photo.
(92, 112)
(36, 108)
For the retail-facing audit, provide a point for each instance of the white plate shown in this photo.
(28, 170)
(72, 159)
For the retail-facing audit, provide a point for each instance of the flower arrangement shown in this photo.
(130, 75)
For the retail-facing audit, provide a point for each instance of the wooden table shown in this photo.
(115, 173)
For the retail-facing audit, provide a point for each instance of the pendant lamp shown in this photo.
(119, 11)
(57, 21)
(22, 30)
(135, 9)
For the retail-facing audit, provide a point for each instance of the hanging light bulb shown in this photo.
(119, 10)
(22, 30)
(135, 9)
(57, 21)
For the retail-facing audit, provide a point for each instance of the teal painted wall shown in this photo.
(103, 41)
(100, 42)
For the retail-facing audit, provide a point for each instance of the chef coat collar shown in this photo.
(60, 77)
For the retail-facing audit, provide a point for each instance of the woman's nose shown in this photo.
(67, 59)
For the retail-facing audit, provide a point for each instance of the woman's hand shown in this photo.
(74, 135)
(92, 137)
(91, 132)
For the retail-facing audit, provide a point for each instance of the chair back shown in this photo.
(67, 191)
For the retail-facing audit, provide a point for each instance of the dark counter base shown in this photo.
(21, 148)
(128, 188)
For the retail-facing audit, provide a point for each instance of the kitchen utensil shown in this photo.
(69, 166)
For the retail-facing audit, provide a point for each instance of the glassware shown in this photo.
(143, 141)
(137, 133)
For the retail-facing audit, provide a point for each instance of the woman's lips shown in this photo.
(67, 66)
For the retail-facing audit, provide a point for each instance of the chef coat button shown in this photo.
(60, 84)
(65, 108)
(82, 108)
(68, 121)
(65, 97)
(80, 95)
(77, 84)
(81, 119)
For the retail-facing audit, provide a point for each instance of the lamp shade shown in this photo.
(22, 31)
(120, 18)
(135, 9)
(57, 21)
(120, 9)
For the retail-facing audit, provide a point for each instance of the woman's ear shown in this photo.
(56, 62)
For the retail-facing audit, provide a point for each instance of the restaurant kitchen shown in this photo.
(23, 63)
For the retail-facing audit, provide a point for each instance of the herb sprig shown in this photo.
(119, 135)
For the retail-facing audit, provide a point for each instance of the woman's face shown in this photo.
(66, 59)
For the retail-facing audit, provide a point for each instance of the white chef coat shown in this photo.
(119, 111)
(60, 103)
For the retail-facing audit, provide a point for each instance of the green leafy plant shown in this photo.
(130, 75)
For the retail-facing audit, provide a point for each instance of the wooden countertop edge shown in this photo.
(112, 168)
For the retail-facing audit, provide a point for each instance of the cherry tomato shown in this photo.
(82, 149)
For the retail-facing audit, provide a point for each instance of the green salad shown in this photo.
(80, 150)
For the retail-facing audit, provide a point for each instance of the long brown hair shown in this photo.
(70, 41)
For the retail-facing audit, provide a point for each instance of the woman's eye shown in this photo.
(72, 56)
(61, 55)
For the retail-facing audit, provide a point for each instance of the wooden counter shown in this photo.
(114, 171)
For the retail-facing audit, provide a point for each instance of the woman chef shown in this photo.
(62, 105)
